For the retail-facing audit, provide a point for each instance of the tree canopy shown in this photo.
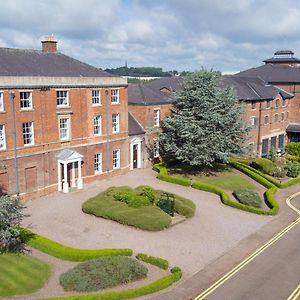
(206, 125)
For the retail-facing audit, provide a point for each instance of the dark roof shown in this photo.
(252, 88)
(284, 52)
(20, 62)
(293, 127)
(274, 73)
(152, 93)
(134, 127)
(282, 60)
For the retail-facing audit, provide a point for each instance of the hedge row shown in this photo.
(249, 171)
(153, 287)
(156, 261)
(271, 201)
(68, 253)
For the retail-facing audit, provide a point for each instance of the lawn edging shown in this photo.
(162, 170)
(63, 252)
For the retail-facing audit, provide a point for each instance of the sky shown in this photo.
(179, 35)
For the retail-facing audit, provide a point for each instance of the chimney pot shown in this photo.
(49, 44)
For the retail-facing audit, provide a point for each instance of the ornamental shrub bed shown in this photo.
(149, 217)
(293, 168)
(101, 273)
(263, 164)
(293, 148)
(248, 197)
(156, 261)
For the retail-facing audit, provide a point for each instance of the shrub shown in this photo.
(293, 169)
(279, 172)
(263, 164)
(148, 192)
(184, 207)
(167, 203)
(156, 261)
(175, 270)
(293, 158)
(293, 148)
(131, 199)
(11, 215)
(101, 273)
(248, 197)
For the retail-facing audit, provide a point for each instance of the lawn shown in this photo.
(228, 181)
(148, 217)
(21, 274)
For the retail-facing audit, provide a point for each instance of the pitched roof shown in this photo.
(153, 92)
(274, 73)
(252, 88)
(293, 127)
(134, 127)
(22, 62)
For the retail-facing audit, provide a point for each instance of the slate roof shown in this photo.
(134, 127)
(282, 60)
(150, 93)
(252, 88)
(20, 62)
(274, 73)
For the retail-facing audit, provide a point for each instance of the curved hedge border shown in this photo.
(68, 253)
(249, 171)
(155, 286)
(156, 261)
(270, 193)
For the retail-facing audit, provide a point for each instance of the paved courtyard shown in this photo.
(192, 245)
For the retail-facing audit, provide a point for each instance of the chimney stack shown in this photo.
(49, 44)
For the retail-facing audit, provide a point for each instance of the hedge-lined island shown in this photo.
(142, 207)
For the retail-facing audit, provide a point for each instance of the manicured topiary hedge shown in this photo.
(271, 201)
(156, 261)
(68, 253)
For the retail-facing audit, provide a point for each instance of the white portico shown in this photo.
(136, 153)
(67, 163)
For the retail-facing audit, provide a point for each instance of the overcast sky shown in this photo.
(173, 34)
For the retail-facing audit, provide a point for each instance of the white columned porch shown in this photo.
(64, 158)
(136, 141)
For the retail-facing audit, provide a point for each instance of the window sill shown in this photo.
(96, 105)
(2, 111)
(63, 106)
(28, 145)
(98, 172)
(117, 168)
(97, 135)
(115, 103)
(26, 109)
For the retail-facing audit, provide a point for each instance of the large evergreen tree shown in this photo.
(207, 121)
(11, 215)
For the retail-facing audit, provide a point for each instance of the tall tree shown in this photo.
(207, 121)
(11, 215)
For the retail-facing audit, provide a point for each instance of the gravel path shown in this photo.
(192, 244)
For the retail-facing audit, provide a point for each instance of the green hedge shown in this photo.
(153, 287)
(293, 157)
(271, 201)
(156, 261)
(293, 148)
(68, 253)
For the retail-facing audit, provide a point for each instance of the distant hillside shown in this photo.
(139, 72)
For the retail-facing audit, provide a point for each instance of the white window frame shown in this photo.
(156, 117)
(98, 163)
(28, 100)
(67, 129)
(96, 99)
(97, 123)
(2, 137)
(253, 121)
(116, 159)
(29, 135)
(156, 149)
(63, 99)
(1, 101)
(115, 123)
(115, 96)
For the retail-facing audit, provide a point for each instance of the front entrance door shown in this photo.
(135, 156)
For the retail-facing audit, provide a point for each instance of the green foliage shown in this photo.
(175, 270)
(272, 154)
(146, 217)
(101, 273)
(206, 125)
(279, 172)
(166, 203)
(68, 253)
(185, 207)
(248, 197)
(153, 287)
(139, 72)
(131, 199)
(148, 192)
(293, 148)
(293, 169)
(293, 158)
(156, 261)
(263, 164)
(11, 215)
(21, 274)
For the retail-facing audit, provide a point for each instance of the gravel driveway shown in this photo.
(192, 244)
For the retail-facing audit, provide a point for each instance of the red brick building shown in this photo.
(71, 121)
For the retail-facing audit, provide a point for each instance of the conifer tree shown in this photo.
(206, 125)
